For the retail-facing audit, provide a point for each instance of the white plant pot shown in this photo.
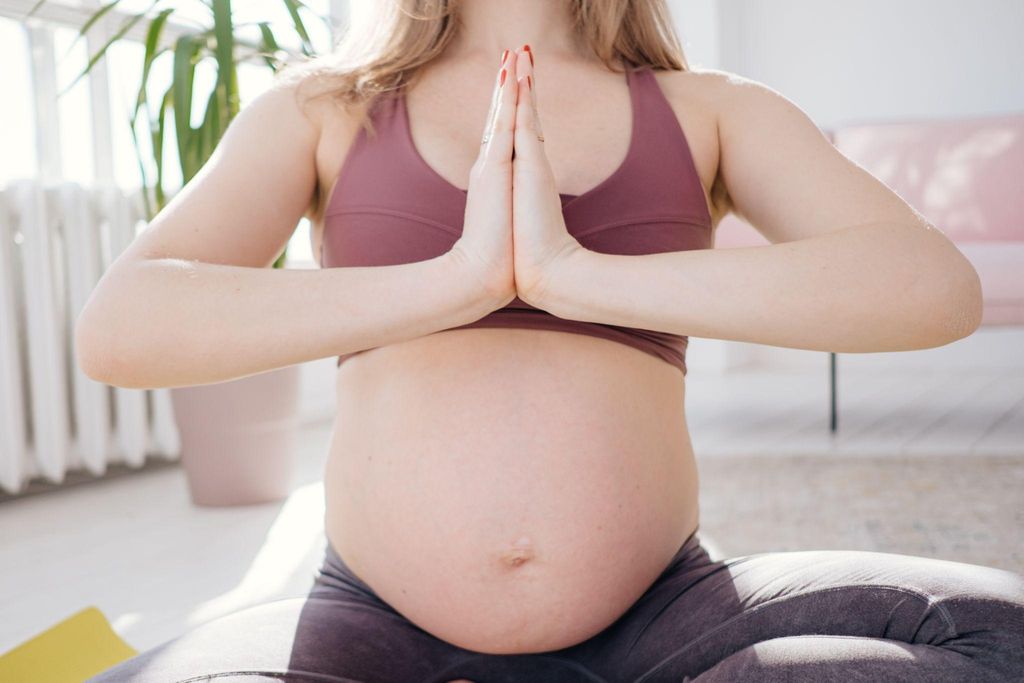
(238, 437)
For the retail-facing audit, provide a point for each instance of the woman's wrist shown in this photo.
(553, 290)
(477, 290)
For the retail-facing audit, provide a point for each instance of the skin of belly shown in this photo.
(509, 490)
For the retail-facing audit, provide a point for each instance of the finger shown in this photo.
(525, 71)
(493, 106)
(501, 121)
(527, 125)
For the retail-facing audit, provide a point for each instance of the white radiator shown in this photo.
(55, 242)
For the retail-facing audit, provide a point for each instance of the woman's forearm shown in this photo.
(169, 322)
(876, 287)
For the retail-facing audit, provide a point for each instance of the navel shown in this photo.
(518, 553)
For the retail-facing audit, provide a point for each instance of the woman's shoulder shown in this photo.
(704, 85)
(319, 104)
(316, 101)
(719, 90)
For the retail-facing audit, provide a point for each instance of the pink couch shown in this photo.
(965, 175)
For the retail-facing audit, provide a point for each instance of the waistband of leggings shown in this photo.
(335, 568)
(690, 550)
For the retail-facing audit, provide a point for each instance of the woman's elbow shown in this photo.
(95, 352)
(90, 353)
(965, 315)
(955, 302)
(100, 348)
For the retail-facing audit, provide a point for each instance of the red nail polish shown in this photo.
(526, 49)
(504, 56)
(502, 82)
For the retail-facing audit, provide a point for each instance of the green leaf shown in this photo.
(324, 19)
(185, 52)
(300, 28)
(210, 131)
(225, 50)
(156, 28)
(34, 8)
(166, 102)
(142, 169)
(99, 14)
(270, 45)
(125, 27)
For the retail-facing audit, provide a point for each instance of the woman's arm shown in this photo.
(193, 301)
(851, 267)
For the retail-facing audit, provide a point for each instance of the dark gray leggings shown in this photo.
(816, 616)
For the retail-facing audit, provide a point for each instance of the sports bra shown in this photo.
(389, 207)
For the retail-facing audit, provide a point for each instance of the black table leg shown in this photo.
(832, 385)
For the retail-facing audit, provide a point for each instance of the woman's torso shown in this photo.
(450, 448)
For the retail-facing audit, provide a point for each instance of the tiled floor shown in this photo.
(923, 463)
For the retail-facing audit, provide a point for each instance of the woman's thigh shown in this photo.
(817, 615)
(295, 639)
(340, 631)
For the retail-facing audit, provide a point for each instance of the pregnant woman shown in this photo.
(515, 244)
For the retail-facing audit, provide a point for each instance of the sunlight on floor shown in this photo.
(283, 555)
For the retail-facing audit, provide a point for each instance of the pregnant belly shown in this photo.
(509, 491)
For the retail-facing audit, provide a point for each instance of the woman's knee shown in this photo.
(967, 609)
(983, 608)
(979, 597)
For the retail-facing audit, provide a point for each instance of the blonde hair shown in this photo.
(383, 48)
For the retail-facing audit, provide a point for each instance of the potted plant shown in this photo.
(237, 436)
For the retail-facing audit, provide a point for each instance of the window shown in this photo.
(43, 134)
(18, 126)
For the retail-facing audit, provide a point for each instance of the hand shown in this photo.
(485, 246)
(541, 241)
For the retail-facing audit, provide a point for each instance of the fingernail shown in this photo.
(502, 82)
(504, 55)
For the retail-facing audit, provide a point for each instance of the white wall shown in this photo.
(844, 61)
(697, 24)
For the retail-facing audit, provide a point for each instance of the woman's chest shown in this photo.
(646, 181)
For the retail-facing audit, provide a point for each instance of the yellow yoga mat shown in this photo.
(71, 651)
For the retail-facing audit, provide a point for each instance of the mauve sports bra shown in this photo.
(389, 207)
